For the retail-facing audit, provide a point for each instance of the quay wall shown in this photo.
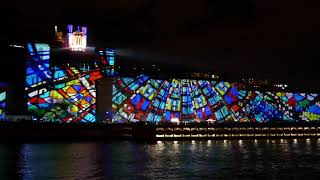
(148, 132)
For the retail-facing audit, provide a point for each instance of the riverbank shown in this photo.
(49, 131)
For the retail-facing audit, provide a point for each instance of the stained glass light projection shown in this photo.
(144, 99)
(38, 67)
(107, 59)
(60, 94)
(2, 104)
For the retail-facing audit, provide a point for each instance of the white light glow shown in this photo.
(240, 142)
(16, 46)
(210, 121)
(77, 40)
(308, 140)
(175, 120)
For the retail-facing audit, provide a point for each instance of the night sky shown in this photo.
(268, 39)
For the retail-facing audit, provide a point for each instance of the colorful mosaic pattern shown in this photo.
(107, 59)
(145, 99)
(62, 94)
(2, 104)
(38, 67)
(68, 94)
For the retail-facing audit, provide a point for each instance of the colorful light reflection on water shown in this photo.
(162, 160)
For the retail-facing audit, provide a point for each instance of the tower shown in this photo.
(77, 40)
(69, 35)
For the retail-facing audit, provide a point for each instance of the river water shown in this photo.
(234, 159)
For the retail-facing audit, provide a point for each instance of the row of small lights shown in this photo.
(240, 141)
(281, 85)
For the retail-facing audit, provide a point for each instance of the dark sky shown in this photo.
(267, 38)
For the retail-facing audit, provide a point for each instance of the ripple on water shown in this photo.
(162, 160)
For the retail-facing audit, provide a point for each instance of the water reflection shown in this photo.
(244, 159)
(62, 161)
(8, 161)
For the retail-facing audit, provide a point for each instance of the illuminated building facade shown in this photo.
(77, 40)
(142, 98)
(61, 84)
(60, 93)
(67, 92)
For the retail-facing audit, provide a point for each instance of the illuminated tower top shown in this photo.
(77, 40)
(59, 39)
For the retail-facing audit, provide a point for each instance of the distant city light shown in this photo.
(283, 86)
(16, 46)
(213, 76)
(175, 120)
(210, 120)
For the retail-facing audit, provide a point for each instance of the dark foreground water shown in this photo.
(238, 159)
